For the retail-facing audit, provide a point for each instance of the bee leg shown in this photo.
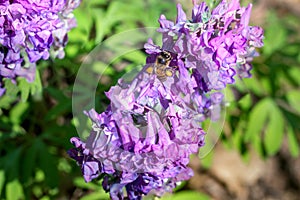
(169, 72)
(149, 70)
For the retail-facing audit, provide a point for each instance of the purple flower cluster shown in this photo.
(142, 142)
(215, 45)
(31, 30)
(144, 138)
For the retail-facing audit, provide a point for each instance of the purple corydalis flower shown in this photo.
(215, 44)
(31, 30)
(138, 164)
(90, 167)
(144, 139)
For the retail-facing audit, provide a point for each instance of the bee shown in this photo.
(161, 66)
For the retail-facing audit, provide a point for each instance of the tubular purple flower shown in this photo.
(144, 139)
(141, 136)
(32, 30)
(90, 167)
(213, 41)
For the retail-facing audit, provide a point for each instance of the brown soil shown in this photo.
(230, 177)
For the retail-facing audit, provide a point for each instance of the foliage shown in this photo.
(265, 110)
(36, 118)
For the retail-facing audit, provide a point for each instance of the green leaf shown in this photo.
(214, 131)
(96, 196)
(2, 180)
(229, 95)
(257, 119)
(274, 131)
(275, 31)
(80, 35)
(29, 161)
(12, 164)
(122, 11)
(258, 145)
(37, 191)
(293, 143)
(190, 195)
(254, 85)
(265, 118)
(33, 88)
(293, 98)
(266, 84)
(39, 176)
(59, 109)
(97, 2)
(17, 112)
(100, 25)
(47, 163)
(83, 130)
(292, 49)
(294, 72)
(36, 88)
(237, 136)
(10, 94)
(207, 160)
(245, 102)
(136, 57)
(79, 182)
(24, 87)
(11, 88)
(56, 93)
(102, 69)
(14, 190)
(45, 198)
(5, 102)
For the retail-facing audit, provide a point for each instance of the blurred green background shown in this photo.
(262, 116)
